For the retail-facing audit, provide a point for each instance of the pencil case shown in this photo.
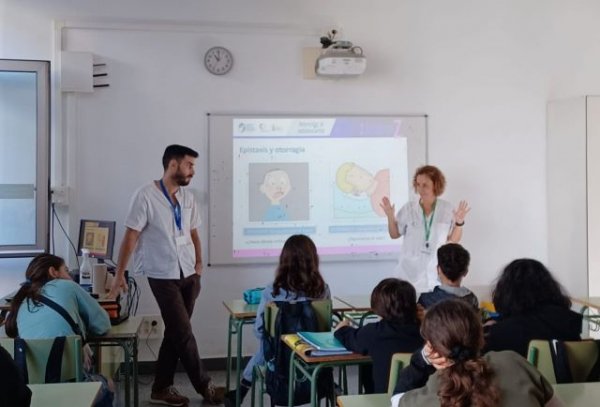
(252, 295)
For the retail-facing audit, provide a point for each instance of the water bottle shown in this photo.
(85, 272)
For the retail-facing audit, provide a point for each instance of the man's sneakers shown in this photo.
(213, 394)
(169, 397)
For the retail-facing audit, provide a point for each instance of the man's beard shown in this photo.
(181, 179)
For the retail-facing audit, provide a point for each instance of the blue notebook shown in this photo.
(324, 343)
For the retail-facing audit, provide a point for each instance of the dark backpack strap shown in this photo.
(20, 357)
(54, 364)
(594, 375)
(560, 361)
(63, 312)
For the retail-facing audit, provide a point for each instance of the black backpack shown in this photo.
(291, 317)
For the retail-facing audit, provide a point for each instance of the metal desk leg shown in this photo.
(292, 380)
(127, 361)
(238, 362)
(229, 334)
(135, 372)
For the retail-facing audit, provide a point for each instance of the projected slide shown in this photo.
(323, 177)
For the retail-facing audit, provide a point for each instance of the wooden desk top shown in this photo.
(240, 309)
(353, 357)
(62, 394)
(357, 302)
(591, 302)
(364, 400)
(125, 330)
(578, 394)
(572, 394)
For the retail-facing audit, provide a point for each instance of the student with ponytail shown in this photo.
(450, 370)
(47, 278)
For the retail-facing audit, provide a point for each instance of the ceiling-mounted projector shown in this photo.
(341, 59)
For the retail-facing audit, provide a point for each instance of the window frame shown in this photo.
(42, 184)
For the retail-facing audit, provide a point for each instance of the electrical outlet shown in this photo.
(152, 327)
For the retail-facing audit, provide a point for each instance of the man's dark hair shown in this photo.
(177, 152)
(453, 261)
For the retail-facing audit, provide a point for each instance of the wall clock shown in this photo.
(218, 60)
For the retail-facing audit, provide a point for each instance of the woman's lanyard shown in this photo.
(176, 207)
(428, 225)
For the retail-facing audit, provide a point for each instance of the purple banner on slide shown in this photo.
(349, 127)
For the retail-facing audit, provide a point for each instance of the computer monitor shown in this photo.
(98, 236)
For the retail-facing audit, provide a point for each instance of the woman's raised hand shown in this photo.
(461, 211)
(388, 208)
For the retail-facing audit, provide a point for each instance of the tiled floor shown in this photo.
(183, 385)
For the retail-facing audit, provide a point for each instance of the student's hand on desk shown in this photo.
(118, 284)
(198, 268)
(343, 322)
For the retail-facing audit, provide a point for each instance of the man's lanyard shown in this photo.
(428, 225)
(176, 207)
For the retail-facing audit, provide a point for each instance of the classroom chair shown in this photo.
(323, 312)
(399, 362)
(583, 360)
(38, 351)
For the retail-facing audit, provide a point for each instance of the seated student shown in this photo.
(394, 301)
(453, 266)
(297, 278)
(531, 305)
(28, 318)
(451, 371)
(13, 389)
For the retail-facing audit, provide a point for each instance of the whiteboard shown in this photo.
(272, 176)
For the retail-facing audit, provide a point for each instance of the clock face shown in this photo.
(218, 60)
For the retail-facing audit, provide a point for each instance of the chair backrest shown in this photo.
(38, 351)
(399, 362)
(539, 355)
(581, 357)
(323, 312)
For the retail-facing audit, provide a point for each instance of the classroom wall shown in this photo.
(482, 70)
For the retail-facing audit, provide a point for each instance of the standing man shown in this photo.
(162, 228)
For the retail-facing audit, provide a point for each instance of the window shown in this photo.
(24, 157)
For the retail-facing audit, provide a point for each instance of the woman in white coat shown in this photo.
(426, 224)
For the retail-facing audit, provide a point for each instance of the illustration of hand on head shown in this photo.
(276, 185)
(355, 180)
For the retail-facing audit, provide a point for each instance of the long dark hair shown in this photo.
(298, 270)
(454, 331)
(37, 274)
(395, 300)
(525, 285)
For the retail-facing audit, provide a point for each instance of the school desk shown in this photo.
(240, 314)
(572, 394)
(311, 366)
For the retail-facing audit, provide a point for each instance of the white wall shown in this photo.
(482, 70)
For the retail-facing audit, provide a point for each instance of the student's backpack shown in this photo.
(291, 317)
